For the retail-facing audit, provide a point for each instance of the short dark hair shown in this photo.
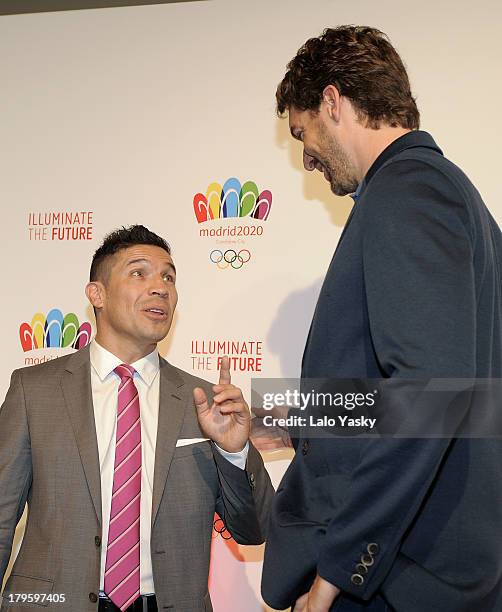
(363, 65)
(119, 239)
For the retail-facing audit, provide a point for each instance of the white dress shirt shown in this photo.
(105, 383)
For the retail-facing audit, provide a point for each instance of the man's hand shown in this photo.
(320, 598)
(227, 421)
(269, 437)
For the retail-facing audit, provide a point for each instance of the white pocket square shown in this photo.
(186, 441)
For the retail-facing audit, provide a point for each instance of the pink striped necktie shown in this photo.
(122, 575)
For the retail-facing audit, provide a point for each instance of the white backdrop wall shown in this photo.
(124, 115)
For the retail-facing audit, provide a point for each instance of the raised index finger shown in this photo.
(224, 371)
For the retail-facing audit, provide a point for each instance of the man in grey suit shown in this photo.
(413, 292)
(122, 458)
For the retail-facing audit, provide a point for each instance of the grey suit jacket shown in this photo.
(49, 458)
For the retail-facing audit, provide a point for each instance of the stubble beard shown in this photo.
(342, 174)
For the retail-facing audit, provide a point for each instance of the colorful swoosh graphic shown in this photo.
(232, 200)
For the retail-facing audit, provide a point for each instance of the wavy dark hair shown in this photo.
(363, 65)
(119, 239)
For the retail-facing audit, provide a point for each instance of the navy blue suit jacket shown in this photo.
(413, 292)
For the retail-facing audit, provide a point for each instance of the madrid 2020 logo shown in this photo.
(54, 331)
(245, 205)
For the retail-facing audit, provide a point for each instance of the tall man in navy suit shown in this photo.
(413, 292)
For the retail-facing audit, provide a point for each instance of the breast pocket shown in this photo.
(193, 450)
(194, 477)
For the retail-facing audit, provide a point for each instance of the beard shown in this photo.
(341, 173)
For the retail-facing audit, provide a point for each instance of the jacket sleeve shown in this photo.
(420, 294)
(245, 497)
(15, 465)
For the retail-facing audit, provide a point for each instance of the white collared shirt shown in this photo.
(105, 383)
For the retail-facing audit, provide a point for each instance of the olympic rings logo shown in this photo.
(230, 258)
(220, 528)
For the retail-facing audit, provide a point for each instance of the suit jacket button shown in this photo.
(362, 569)
(367, 560)
(357, 579)
(97, 541)
(305, 447)
(373, 548)
(93, 597)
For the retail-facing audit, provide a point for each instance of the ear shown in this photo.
(95, 292)
(331, 98)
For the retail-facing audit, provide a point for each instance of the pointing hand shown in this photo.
(227, 421)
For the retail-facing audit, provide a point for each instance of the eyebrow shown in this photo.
(142, 260)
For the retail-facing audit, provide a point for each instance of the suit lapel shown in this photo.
(349, 219)
(172, 402)
(76, 383)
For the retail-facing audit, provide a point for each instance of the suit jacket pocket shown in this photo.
(287, 519)
(190, 450)
(28, 588)
(311, 503)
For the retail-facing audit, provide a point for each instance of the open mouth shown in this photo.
(322, 168)
(156, 313)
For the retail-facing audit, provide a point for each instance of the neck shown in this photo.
(369, 144)
(127, 352)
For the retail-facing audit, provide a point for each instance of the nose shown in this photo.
(160, 293)
(159, 288)
(308, 161)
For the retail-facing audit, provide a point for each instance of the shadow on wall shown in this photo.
(289, 329)
(315, 187)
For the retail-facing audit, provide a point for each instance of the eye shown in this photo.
(169, 278)
(136, 273)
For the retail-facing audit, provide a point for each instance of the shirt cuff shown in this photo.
(238, 459)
